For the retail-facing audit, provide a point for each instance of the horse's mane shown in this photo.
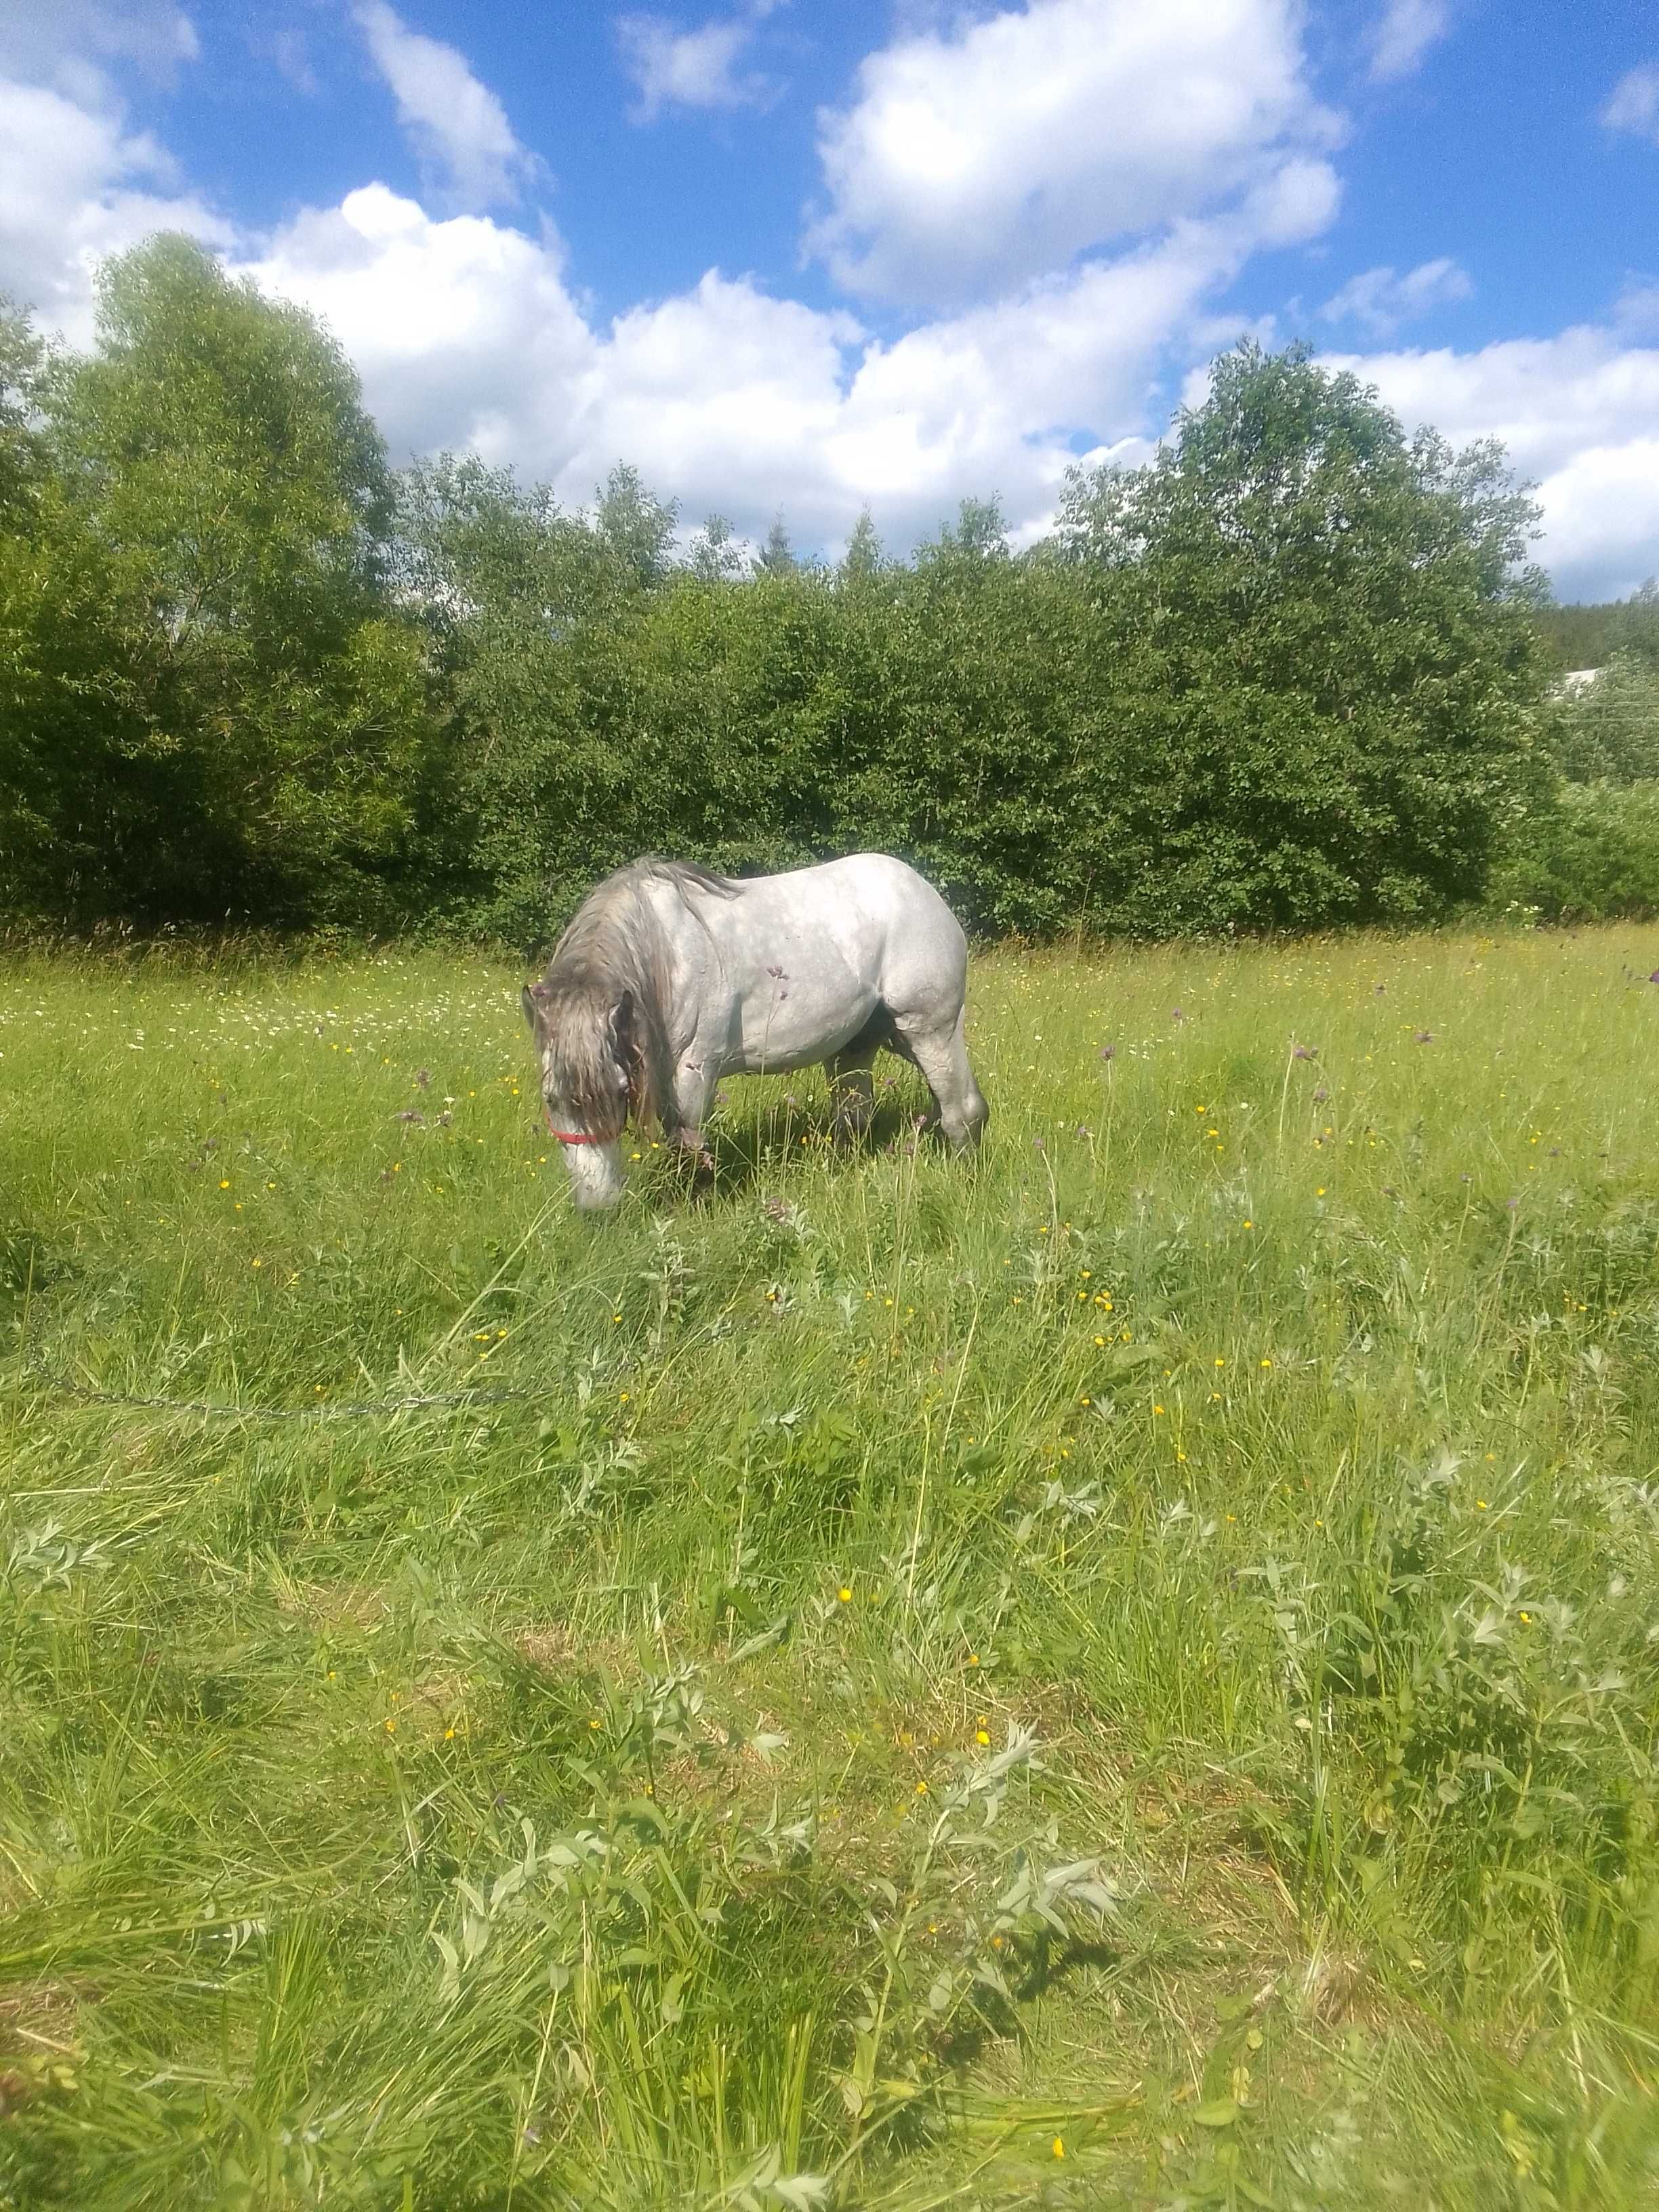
(615, 946)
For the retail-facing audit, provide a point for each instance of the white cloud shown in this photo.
(976, 157)
(457, 125)
(1380, 300)
(73, 187)
(66, 43)
(729, 399)
(726, 396)
(694, 68)
(1633, 103)
(1404, 32)
(468, 334)
(1636, 312)
(1579, 414)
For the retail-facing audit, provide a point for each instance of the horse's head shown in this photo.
(585, 1036)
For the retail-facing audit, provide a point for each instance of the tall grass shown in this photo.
(1125, 1672)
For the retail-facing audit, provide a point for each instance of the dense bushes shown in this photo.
(1282, 678)
(1608, 733)
(1286, 675)
(1590, 851)
(1591, 855)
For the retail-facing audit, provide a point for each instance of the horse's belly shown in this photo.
(792, 1024)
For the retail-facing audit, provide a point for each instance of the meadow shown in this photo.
(1126, 1673)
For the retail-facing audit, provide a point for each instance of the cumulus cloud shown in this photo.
(75, 185)
(1579, 414)
(1403, 35)
(468, 332)
(673, 67)
(977, 156)
(727, 396)
(1380, 299)
(458, 127)
(1633, 103)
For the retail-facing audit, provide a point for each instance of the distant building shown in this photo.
(1575, 681)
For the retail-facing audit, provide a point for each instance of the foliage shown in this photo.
(221, 709)
(1125, 1676)
(1283, 676)
(1588, 637)
(1326, 649)
(1608, 731)
(1592, 856)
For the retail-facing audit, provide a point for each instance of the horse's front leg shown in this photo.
(695, 1078)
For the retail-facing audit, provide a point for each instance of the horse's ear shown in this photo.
(527, 1000)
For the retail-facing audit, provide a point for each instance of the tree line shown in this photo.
(1289, 674)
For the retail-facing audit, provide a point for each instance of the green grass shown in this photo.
(1124, 1675)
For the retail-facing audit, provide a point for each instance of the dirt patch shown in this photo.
(40, 2049)
(557, 1649)
(336, 1605)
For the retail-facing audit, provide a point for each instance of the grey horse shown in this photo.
(669, 978)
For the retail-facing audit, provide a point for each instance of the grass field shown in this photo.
(1123, 1676)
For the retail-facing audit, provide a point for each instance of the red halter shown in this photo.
(573, 1136)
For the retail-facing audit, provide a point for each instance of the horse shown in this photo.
(670, 977)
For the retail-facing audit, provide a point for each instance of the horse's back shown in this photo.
(910, 946)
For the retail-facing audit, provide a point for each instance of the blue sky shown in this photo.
(790, 256)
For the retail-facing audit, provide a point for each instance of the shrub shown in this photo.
(1593, 856)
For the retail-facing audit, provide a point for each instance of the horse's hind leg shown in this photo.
(851, 1088)
(942, 1056)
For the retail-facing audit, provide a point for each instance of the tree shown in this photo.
(777, 558)
(636, 529)
(24, 364)
(1322, 627)
(980, 530)
(862, 559)
(28, 753)
(248, 742)
(1608, 733)
(714, 557)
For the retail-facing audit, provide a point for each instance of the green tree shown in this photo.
(777, 558)
(1319, 630)
(1609, 731)
(635, 529)
(27, 755)
(714, 556)
(863, 558)
(250, 740)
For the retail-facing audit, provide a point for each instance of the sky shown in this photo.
(793, 259)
